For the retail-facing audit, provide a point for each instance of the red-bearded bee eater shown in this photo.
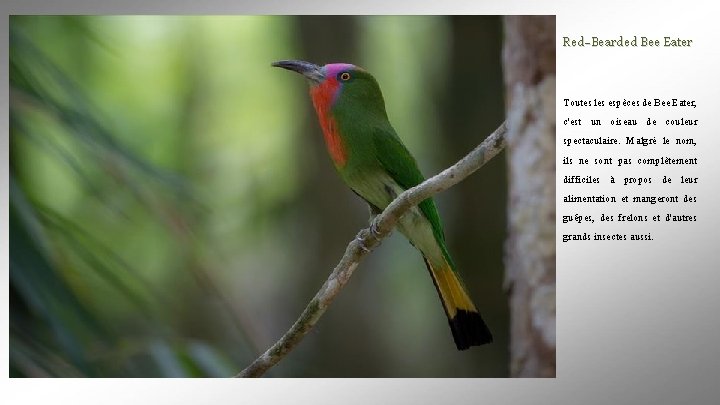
(375, 164)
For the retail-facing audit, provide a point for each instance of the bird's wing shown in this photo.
(401, 166)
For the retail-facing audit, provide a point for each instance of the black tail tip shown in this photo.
(469, 329)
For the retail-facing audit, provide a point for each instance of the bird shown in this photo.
(372, 160)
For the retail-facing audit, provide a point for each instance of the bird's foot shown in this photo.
(374, 230)
(361, 241)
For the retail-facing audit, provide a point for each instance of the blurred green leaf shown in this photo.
(167, 360)
(212, 363)
(43, 289)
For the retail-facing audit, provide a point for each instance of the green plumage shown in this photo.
(372, 143)
(405, 172)
(375, 152)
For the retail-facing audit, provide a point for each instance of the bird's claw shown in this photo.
(362, 244)
(374, 230)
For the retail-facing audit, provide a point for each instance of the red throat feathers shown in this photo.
(323, 96)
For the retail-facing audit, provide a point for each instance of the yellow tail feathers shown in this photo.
(466, 324)
(452, 292)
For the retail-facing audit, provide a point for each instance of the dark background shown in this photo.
(173, 208)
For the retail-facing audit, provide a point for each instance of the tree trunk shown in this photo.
(529, 65)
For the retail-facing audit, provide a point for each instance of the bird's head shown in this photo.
(339, 83)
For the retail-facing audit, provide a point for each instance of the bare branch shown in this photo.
(367, 239)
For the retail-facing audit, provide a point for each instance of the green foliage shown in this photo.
(60, 267)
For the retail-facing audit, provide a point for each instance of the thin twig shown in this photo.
(367, 239)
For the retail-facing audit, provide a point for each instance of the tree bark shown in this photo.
(529, 66)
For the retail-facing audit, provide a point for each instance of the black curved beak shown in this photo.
(310, 70)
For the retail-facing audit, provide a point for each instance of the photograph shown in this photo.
(363, 196)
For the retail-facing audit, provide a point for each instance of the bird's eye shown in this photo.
(344, 76)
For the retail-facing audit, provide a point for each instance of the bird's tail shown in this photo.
(467, 326)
